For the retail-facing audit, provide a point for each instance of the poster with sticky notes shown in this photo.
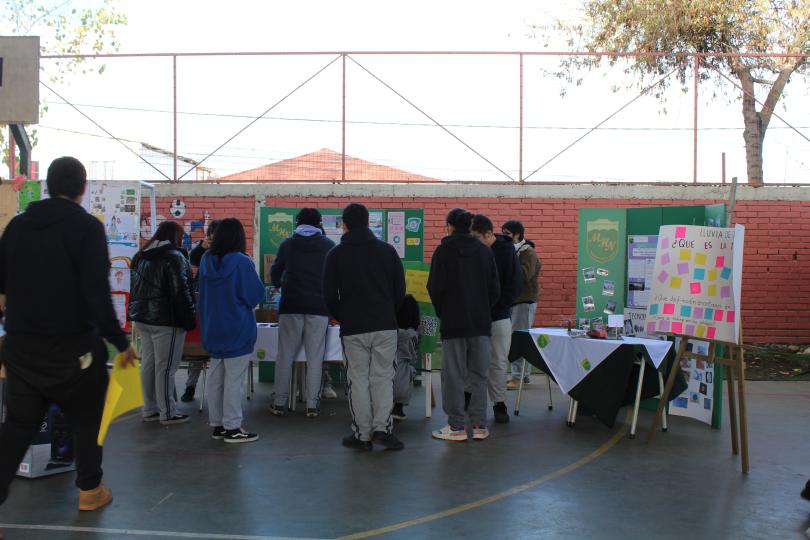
(699, 282)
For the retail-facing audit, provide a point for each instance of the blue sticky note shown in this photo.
(709, 314)
(700, 273)
(686, 311)
(725, 273)
(654, 309)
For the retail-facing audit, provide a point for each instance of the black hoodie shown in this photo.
(54, 271)
(363, 283)
(298, 272)
(510, 274)
(463, 286)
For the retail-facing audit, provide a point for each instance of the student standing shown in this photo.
(407, 355)
(364, 285)
(463, 286)
(230, 289)
(510, 278)
(53, 351)
(303, 318)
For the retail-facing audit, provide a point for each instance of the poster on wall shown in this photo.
(416, 276)
(697, 282)
(697, 400)
(396, 232)
(640, 267)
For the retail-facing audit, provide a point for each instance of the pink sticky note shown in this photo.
(718, 315)
(729, 316)
(710, 332)
(694, 287)
(663, 326)
(697, 313)
(669, 309)
(683, 268)
(720, 261)
(664, 242)
(662, 277)
(680, 232)
(650, 327)
(690, 330)
(725, 291)
(677, 328)
(664, 259)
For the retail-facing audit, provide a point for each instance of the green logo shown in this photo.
(585, 364)
(602, 242)
(260, 354)
(543, 340)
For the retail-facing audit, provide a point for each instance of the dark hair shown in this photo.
(515, 227)
(408, 314)
(482, 224)
(229, 238)
(169, 231)
(355, 216)
(67, 177)
(308, 216)
(460, 219)
(212, 227)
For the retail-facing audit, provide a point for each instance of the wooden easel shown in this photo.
(735, 360)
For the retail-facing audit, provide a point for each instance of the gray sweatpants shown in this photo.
(295, 330)
(499, 359)
(370, 358)
(522, 319)
(226, 388)
(465, 362)
(193, 377)
(161, 350)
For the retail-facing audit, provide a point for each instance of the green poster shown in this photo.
(416, 275)
(31, 191)
(275, 226)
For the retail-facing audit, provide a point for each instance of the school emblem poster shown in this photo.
(697, 282)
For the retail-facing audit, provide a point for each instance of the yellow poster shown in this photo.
(124, 393)
(416, 284)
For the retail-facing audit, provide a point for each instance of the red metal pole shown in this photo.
(343, 125)
(174, 112)
(695, 127)
(520, 150)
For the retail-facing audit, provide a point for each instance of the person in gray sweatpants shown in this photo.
(303, 318)
(364, 286)
(161, 350)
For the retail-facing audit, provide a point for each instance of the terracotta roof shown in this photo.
(324, 166)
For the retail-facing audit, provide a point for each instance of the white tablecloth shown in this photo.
(266, 348)
(572, 359)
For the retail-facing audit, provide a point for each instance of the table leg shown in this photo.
(638, 396)
(743, 420)
(660, 394)
(428, 385)
(570, 412)
(574, 413)
(668, 388)
(520, 388)
(550, 404)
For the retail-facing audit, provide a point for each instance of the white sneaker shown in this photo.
(480, 433)
(328, 392)
(447, 433)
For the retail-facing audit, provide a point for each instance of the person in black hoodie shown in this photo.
(364, 286)
(303, 318)
(511, 281)
(463, 286)
(161, 304)
(53, 351)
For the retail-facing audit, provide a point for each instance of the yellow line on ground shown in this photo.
(610, 443)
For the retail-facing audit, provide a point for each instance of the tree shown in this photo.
(724, 28)
(64, 28)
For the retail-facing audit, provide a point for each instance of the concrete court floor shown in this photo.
(297, 481)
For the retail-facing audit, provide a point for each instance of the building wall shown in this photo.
(776, 291)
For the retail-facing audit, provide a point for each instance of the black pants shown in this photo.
(44, 371)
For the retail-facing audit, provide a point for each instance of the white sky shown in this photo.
(641, 143)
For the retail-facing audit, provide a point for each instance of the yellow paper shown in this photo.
(416, 284)
(124, 393)
(712, 274)
(701, 331)
(700, 258)
(675, 283)
(686, 254)
(712, 290)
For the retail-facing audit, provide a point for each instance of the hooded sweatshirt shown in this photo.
(510, 276)
(363, 283)
(298, 272)
(54, 271)
(463, 286)
(230, 289)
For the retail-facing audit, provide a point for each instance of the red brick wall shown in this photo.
(776, 290)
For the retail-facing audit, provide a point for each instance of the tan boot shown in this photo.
(94, 499)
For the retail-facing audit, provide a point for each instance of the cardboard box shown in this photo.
(52, 449)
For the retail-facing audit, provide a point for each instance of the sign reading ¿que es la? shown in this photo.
(697, 282)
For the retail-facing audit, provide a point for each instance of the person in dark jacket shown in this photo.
(54, 322)
(161, 306)
(195, 256)
(510, 278)
(303, 318)
(364, 286)
(230, 289)
(463, 286)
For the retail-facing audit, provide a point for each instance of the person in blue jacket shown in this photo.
(230, 289)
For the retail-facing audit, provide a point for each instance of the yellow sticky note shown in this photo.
(712, 290)
(686, 254)
(712, 274)
(675, 283)
(700, 258)
(701, 331)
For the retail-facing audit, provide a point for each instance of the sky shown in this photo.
(475, 97)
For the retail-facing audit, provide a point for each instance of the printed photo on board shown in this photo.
(588, 274)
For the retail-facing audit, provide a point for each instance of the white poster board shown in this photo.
(697, 282)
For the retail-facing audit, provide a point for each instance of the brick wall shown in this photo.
(776, 291)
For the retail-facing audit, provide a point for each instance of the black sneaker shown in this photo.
(176, 419)
(501, 416)
(239, 435)
(467, 398)
(353, 442)
(398, 412)
(219, 433)
(387, 440)
(152, 417)
(188, 395)
(275, 410)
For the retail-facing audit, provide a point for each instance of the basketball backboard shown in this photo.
(19, 79)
